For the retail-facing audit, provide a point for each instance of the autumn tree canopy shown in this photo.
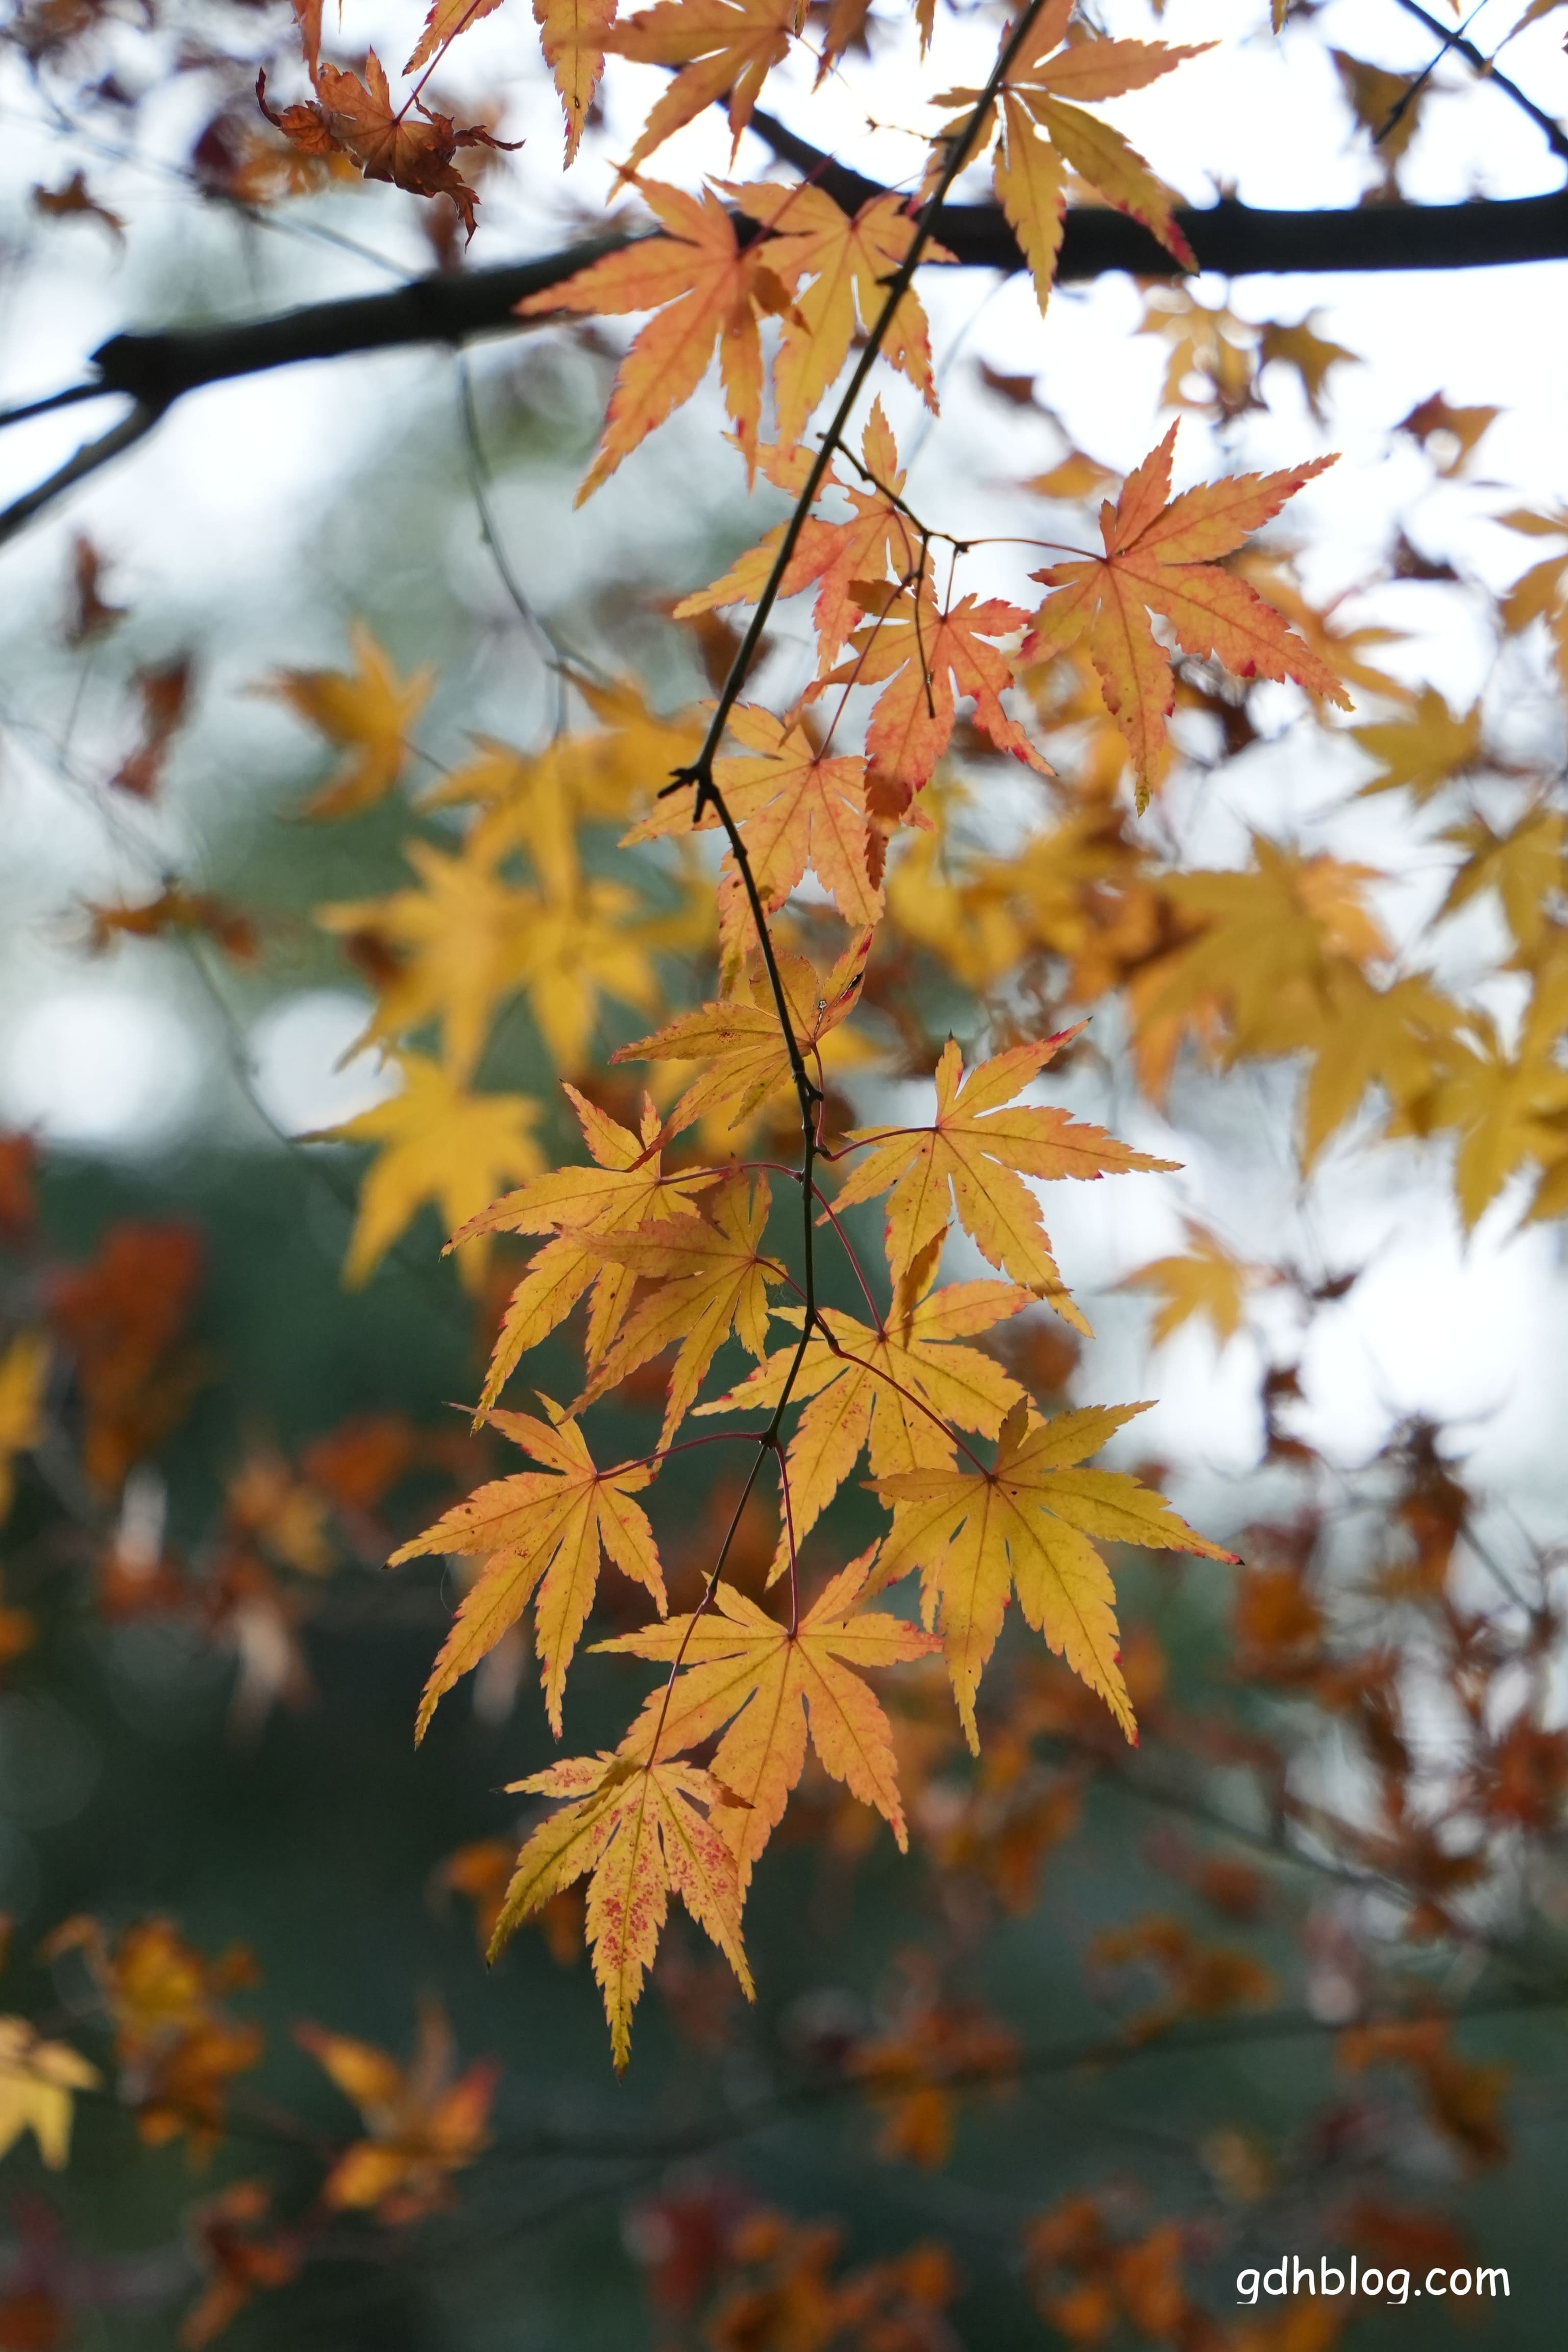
(780, 1043)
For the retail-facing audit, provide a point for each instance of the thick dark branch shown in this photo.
(1235, 240)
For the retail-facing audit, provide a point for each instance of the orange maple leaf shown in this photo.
(1045, 135)
(706, 288)
(928, 657)
(412, 148)
(724, 48)
(744, 1669)
(545, 1533)
(979, 1147)
(795, 805)
(1024, 1525)
(836, 558)
(1159, 558)
(641, 1830)
(849, 258)
(422, 2121)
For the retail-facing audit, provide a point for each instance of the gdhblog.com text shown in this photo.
(1390, 2286)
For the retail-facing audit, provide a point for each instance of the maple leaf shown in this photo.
(448, 951)
(796, 805)
(23, 1382)
(573, 36)
(192, 912)
(446, 20)
(369, 709)
(37, 2080)
(849, 257)
(642, 1830)
(412, 148)
(1204, 1279)
(1024, 1526)
(1422, 750)
(743, 1668)
(897, 1389)
(1159, 558)
(710, 1278)
(1448, 435)
(437, 1142)
(1507, 1108)
(176, 2047)
(707, 289)
(164, 692)
(924, 654)
(724, 49)
(1541, 592)
(1264, 970)
(741, 1042)
(452, 949)
(627, 1187)
(1307, 354)
(1523, 866)
(836, 558)
(423, 2121)
(1045, 134)
(121, 1318)
(237, 2258)
(978, 1151)
(541, 1536)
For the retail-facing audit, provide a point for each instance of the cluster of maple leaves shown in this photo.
(662, 1226)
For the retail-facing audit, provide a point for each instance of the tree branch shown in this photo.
(155, 370)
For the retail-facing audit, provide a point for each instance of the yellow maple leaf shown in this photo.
(449, 950)
(1401, 1038)
(37, 2080)
(642, 1830)
(1271, 937)
(743, 1668)
(1523, 866)
(708, 1278)
(368, 709)
(898, 1387)
(422, 2121)
(1024, 1526)
(1507, 1108)
(436, 1142)
(1422, 751)
(626, 1188)
(723, 49)
(1160, 557)
(23, 1380)
(741, 1041)
(1204, 1279)
(978, 1150)
(541, 1536)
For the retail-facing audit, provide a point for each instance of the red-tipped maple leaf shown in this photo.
(1159, 558)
